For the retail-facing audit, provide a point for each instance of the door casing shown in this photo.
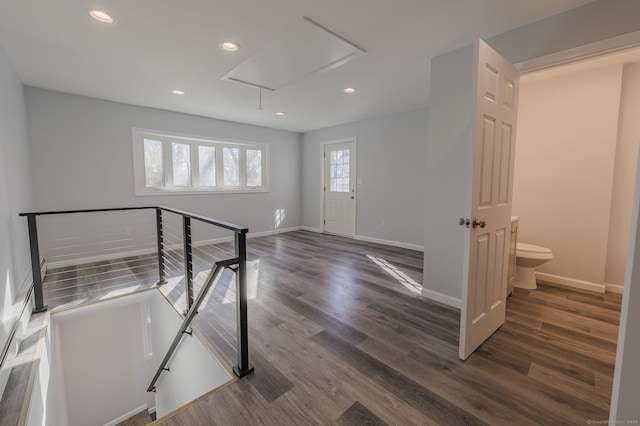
(354, 159)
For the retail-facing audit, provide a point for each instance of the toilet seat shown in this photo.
(532, 251)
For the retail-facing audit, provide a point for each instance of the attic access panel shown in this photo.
(307, 49)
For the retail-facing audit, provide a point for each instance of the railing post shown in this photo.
(188, 260)
(243, 368)
(35, 264)
(160, 238)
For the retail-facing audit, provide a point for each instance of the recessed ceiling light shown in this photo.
(229, 46)
(101, 16)
(280, 113)
(349, 90)
(177, 92)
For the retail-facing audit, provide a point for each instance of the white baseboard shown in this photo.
(390, 243)
(273, 231)
(569, 282)
(442, 298)
(614, 288)
(128, 415)
(311, 229)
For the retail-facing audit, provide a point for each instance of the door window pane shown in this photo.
(231, 157)
(153, 168)
(339, 171)
(181, 154)
(254, 167)
(207, 165)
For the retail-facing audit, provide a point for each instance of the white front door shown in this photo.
(484, 295)
(340, 188)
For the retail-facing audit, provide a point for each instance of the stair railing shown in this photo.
(240, 233)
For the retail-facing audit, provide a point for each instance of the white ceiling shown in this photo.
(156, 46)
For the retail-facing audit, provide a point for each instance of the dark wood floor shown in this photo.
(340, 335)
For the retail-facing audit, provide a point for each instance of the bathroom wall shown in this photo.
(564, 170)
(624, 176)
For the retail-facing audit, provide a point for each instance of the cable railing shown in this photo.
(180, 260)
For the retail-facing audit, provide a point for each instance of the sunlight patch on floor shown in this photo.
(396, 273)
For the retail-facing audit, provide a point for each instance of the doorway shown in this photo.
(339, 187)
(575, 167)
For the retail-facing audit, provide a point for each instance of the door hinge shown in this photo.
(324, 188)
(324, 222)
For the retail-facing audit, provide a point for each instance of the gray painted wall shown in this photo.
(391, 153)
(81, 152)
(15, 194)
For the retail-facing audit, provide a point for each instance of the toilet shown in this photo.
(528, 258)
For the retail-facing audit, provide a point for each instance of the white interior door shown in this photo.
(484, 295)
(340, 188)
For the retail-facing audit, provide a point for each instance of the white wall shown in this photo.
(624, 176)
(449, 175)
(105, 371)
(193, 370)
(391, 152)
(15, 195)
(626, 379)
(81, 153)
(564, 167)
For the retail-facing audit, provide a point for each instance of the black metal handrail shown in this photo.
(243, 368)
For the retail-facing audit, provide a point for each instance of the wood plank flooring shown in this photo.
(340, 335)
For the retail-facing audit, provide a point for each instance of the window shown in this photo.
(178, 164)
(339, 171)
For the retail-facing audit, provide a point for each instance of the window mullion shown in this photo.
(219, 167)
(242, 158)
(195, 165)
(168, 163)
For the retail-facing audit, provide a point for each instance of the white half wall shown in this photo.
(564, 167)
(389, 194)
(81, 153)
(15, 196)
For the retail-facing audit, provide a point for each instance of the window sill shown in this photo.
(155, 193)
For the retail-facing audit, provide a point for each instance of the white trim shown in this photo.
(442, 298)
(561, 281)
(311, 229)
(581, 52)
(390, 243)
(128, 415)
(323, 146)
(614, 288)
(273, 231)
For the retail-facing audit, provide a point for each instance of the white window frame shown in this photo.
(139, 135)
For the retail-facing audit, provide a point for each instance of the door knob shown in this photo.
(353, 198)
(480, 223)
(464, 222)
